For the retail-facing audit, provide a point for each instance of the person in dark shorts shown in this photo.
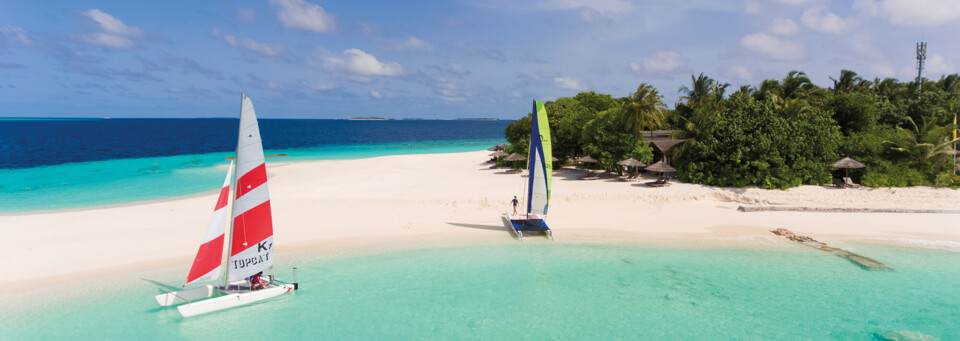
(515, 203)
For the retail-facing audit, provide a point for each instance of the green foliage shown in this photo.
(605, 139)
(751, 145)
(777, 134)
(854, 112)
(947, 179)
(644, 109)
(567, 118)
(889, 174)
(595, 102)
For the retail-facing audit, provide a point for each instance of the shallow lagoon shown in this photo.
(540, 290)
(121, 181)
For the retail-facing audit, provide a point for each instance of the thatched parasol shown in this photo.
(498, 154)
(515, 157)
(555, 159)
(661, 167)
(498, 147)
(631, 162)
(585, 159)
(847, 163)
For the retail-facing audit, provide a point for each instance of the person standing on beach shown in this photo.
(515, 202)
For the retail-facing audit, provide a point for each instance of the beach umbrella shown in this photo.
(498, 147)
(498, 154)
(631, 162)
(515, 157)
(847, 163)
(585, 159)
(661, 167)
(555, 159)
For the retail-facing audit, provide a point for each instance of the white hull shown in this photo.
(232, 300)
(184, 296)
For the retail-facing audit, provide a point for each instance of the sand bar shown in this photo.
(451, 199)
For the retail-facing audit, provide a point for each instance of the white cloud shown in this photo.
(15, 35)
(662, 62)
(112, 25)
(783, 26)
(916, 13)
(249, 45)
(773, 47)
(591, 15)
(792, 2)
(589, 11)
(827, 23)
(741, 72)
(375, 94)
(246, 15)
(360, 63)
(882, 70)
(413, 43)
(115, 33)
(751, 6)
(609, 6)
(567, 83)
(936, 65)
(303, 15)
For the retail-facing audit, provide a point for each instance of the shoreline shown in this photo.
(322, 208)
(335, 152)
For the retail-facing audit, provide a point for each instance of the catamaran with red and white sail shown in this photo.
(249, 241)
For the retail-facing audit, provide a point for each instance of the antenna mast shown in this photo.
(921, 57)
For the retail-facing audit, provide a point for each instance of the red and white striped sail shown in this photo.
(251, 247)
(206, 266)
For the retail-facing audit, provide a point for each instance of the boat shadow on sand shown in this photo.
(504, 228)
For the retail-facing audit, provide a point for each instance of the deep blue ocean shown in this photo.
(53, 164)
(31, 143)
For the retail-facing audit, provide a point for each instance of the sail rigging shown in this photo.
(251, 247)
(540, 162)
(206, 266)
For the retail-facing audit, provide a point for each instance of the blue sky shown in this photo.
(435, 59)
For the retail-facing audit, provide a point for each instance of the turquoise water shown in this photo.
(85, 184)
(544, 291)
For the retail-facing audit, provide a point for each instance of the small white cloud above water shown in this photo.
(567, 83)
(300, 14)
(114, 33)
(773, 47)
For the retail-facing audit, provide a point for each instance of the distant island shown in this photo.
(370, 119)
(477, 119)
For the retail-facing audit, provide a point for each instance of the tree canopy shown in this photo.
(778, 134)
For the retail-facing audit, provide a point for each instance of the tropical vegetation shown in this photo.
(779, 134)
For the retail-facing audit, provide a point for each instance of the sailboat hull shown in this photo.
(532, 223)
(233, 300)
(184, 296)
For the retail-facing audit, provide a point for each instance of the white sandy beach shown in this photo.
(451, 199)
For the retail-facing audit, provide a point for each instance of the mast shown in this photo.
(233, 208)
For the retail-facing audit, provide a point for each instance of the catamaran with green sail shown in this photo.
(540, 165)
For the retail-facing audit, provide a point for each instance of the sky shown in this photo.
(436, 59)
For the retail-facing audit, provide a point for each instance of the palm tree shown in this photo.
(702, 85)
(925, 146)
(644, 109)
(850, 82)
(704, 88)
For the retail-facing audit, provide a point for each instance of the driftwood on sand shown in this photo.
(862, 261)
(840, 209)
